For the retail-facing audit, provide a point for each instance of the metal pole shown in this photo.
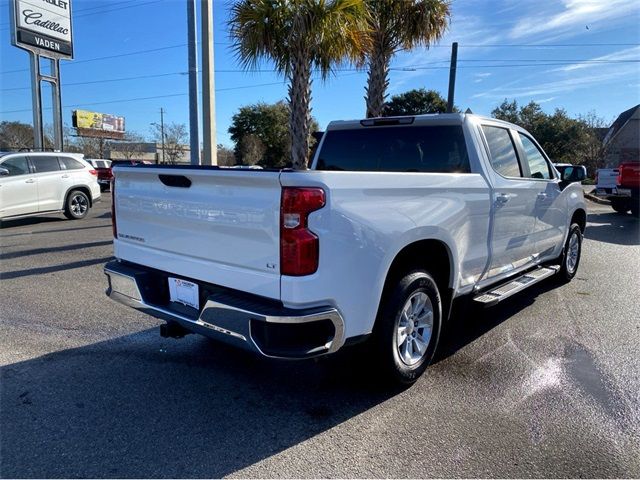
(452, 76)
(36, 102)
(208, 87)
(57, 106)
(162, 131)
(192, 32)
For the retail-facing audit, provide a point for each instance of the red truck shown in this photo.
(621, 186)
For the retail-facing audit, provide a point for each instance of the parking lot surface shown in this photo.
(546, 384)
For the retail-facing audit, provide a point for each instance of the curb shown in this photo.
(595, 199)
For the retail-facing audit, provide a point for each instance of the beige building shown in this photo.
(622, 141)
(147, 152)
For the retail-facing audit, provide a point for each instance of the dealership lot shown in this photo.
(546, 384)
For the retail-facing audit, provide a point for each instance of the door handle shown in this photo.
(31, 180)
(502, 198)
(542, 195)
(65, 176)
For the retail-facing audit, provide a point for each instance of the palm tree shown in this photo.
(298, 36)
(398, 25)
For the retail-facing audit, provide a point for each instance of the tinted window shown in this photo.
(45, 164)
(70, 163)
(503, 154)
(537, 164)
(16, 166)
(395, 149)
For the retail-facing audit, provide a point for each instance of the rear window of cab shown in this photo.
(435, 149)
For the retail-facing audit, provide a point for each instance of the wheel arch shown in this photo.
(580, 217)
(84, 189)
(434, 256)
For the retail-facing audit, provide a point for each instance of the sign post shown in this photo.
(43, 28)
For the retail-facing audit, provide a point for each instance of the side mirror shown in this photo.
(573, 173)
(4, 172)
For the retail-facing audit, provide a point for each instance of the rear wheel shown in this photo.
(635, 207)
(620, 205)
(77, 206)
(408, 326)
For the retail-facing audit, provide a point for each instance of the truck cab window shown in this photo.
(503, 153)
(538, 166)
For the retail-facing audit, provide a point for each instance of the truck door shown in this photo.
(514, 206)
(550, 206)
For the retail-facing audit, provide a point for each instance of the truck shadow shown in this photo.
(616, 228)
(142, 406)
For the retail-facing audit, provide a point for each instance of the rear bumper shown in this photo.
(253, 323)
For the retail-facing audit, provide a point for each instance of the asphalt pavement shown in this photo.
(546, 384)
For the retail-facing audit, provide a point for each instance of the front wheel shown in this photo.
(571, 254)
(408, 326)
(77, 206)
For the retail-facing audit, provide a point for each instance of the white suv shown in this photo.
(48, 182)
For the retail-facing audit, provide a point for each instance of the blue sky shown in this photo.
(582, 55)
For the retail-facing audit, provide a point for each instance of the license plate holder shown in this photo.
(184, 292)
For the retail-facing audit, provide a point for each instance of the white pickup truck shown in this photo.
(396, 218)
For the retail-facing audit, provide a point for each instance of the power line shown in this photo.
(104, 81)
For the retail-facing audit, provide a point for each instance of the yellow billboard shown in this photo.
(98, 121)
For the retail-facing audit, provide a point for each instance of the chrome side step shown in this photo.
(516, 285)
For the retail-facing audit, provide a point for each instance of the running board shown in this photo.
(506, 290)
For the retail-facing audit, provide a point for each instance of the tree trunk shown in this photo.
(300, 108)
(378, 80)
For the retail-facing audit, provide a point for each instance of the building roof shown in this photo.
(620, 122)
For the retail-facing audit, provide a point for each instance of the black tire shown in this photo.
(387, 353)
(569, 264)
(635, 208)
(77, 205)
(620, 205)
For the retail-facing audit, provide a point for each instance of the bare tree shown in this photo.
(226, 157)
(130, 147)
(176, 139)
(592, 150)
(15, 136)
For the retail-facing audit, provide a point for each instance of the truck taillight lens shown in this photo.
(114, 227)
(299, 246)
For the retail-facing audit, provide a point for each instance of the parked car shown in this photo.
(396, 219)
(41, 183)
(621, 186)
(103, 167)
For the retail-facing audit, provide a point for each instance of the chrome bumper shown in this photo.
(234, 318)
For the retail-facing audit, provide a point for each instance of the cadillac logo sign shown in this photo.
(43, 27)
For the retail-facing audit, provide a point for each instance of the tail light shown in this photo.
(114, 227)
(93, 172)
(299, 246)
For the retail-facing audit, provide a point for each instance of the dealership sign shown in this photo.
(104, 122)
(43, 27)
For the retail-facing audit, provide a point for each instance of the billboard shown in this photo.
(43, 27)
(98, 121)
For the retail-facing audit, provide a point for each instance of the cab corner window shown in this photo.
(503, 153)
(538, 166)
(45, 164)
(16, 166)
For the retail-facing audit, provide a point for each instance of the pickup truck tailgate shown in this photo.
(215, 225)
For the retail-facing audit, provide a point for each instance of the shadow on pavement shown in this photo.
(141, 406)
(53, 268)
(21, 222)
(616, 228)
(49, 250)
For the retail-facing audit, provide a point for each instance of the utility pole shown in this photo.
(208, 87)
(162, 130)
(452, 76)
(192, 31)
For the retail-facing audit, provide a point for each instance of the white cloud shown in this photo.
(632, 53)
(572, 16)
